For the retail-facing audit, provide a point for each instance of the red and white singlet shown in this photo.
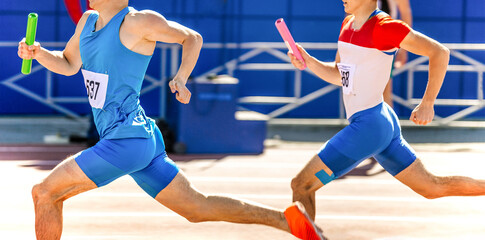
(366, 57)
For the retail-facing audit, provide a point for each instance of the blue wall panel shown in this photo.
(213, 34)
(64, 86)
(317, 9)
(469, 86)
(28, 5)
(66, 28)
(475, 32)
(271, 83)
(249, 32)
(7, 32)
(265, 8)
(315, 30)
(475, 8)
(10, 63)
(440, 30)
(437, 8)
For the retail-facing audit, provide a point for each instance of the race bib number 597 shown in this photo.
(96, 86)
(347, 73)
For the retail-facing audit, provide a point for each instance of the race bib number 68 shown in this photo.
(96, 86)
(347, 73)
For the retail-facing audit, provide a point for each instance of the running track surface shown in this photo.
(366, 204)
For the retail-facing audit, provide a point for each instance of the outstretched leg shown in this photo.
(420, 180)
(181, 197)
(65, 181)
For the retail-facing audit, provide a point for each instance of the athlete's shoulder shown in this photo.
(87, 14)
(383, 20)
(143, 17)
(144, 23)
(389, 32)
(84, 18)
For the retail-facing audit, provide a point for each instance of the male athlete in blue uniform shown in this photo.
(367, 43)
(113, 46)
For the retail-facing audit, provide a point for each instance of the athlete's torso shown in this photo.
(113, 77)
(366, 57)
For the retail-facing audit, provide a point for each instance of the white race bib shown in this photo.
(347, 72)
(96, 86)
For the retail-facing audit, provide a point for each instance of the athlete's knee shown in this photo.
(431, 193)
(436, 188)
(199, 215)
(195, 218)
(301, 185)
(41, 194)
(197, 211)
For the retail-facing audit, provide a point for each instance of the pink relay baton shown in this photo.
(290, 43)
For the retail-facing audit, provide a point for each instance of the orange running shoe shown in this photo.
(300, 224)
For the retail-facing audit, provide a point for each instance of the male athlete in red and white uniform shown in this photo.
(368, 41)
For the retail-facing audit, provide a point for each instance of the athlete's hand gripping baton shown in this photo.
(290, 43)
(29, 40)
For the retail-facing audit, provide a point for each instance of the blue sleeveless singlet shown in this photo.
(113, 76)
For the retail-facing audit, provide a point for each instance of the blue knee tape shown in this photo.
(324, 177)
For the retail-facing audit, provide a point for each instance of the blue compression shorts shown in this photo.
(374, 132)
(144, 159)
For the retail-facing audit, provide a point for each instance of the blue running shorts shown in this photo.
(144, 159)
(374, 132)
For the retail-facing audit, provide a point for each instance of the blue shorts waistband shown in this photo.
(366, 111)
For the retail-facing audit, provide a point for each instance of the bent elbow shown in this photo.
(198, 39)
(440, 53)
(445, 53)
(194, 39)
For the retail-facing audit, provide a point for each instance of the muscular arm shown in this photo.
(162, 30)
(66, 62)
(157, 28)
(327, 71)
(439, 57)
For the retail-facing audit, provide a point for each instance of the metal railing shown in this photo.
(277, 50)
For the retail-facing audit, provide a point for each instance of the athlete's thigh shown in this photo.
(337, 157)
(157, 175)
(417, 177)
(397, 156)
(66, 180)
(160, 171)
(180, 196)
(111, 159)
(368, 133)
